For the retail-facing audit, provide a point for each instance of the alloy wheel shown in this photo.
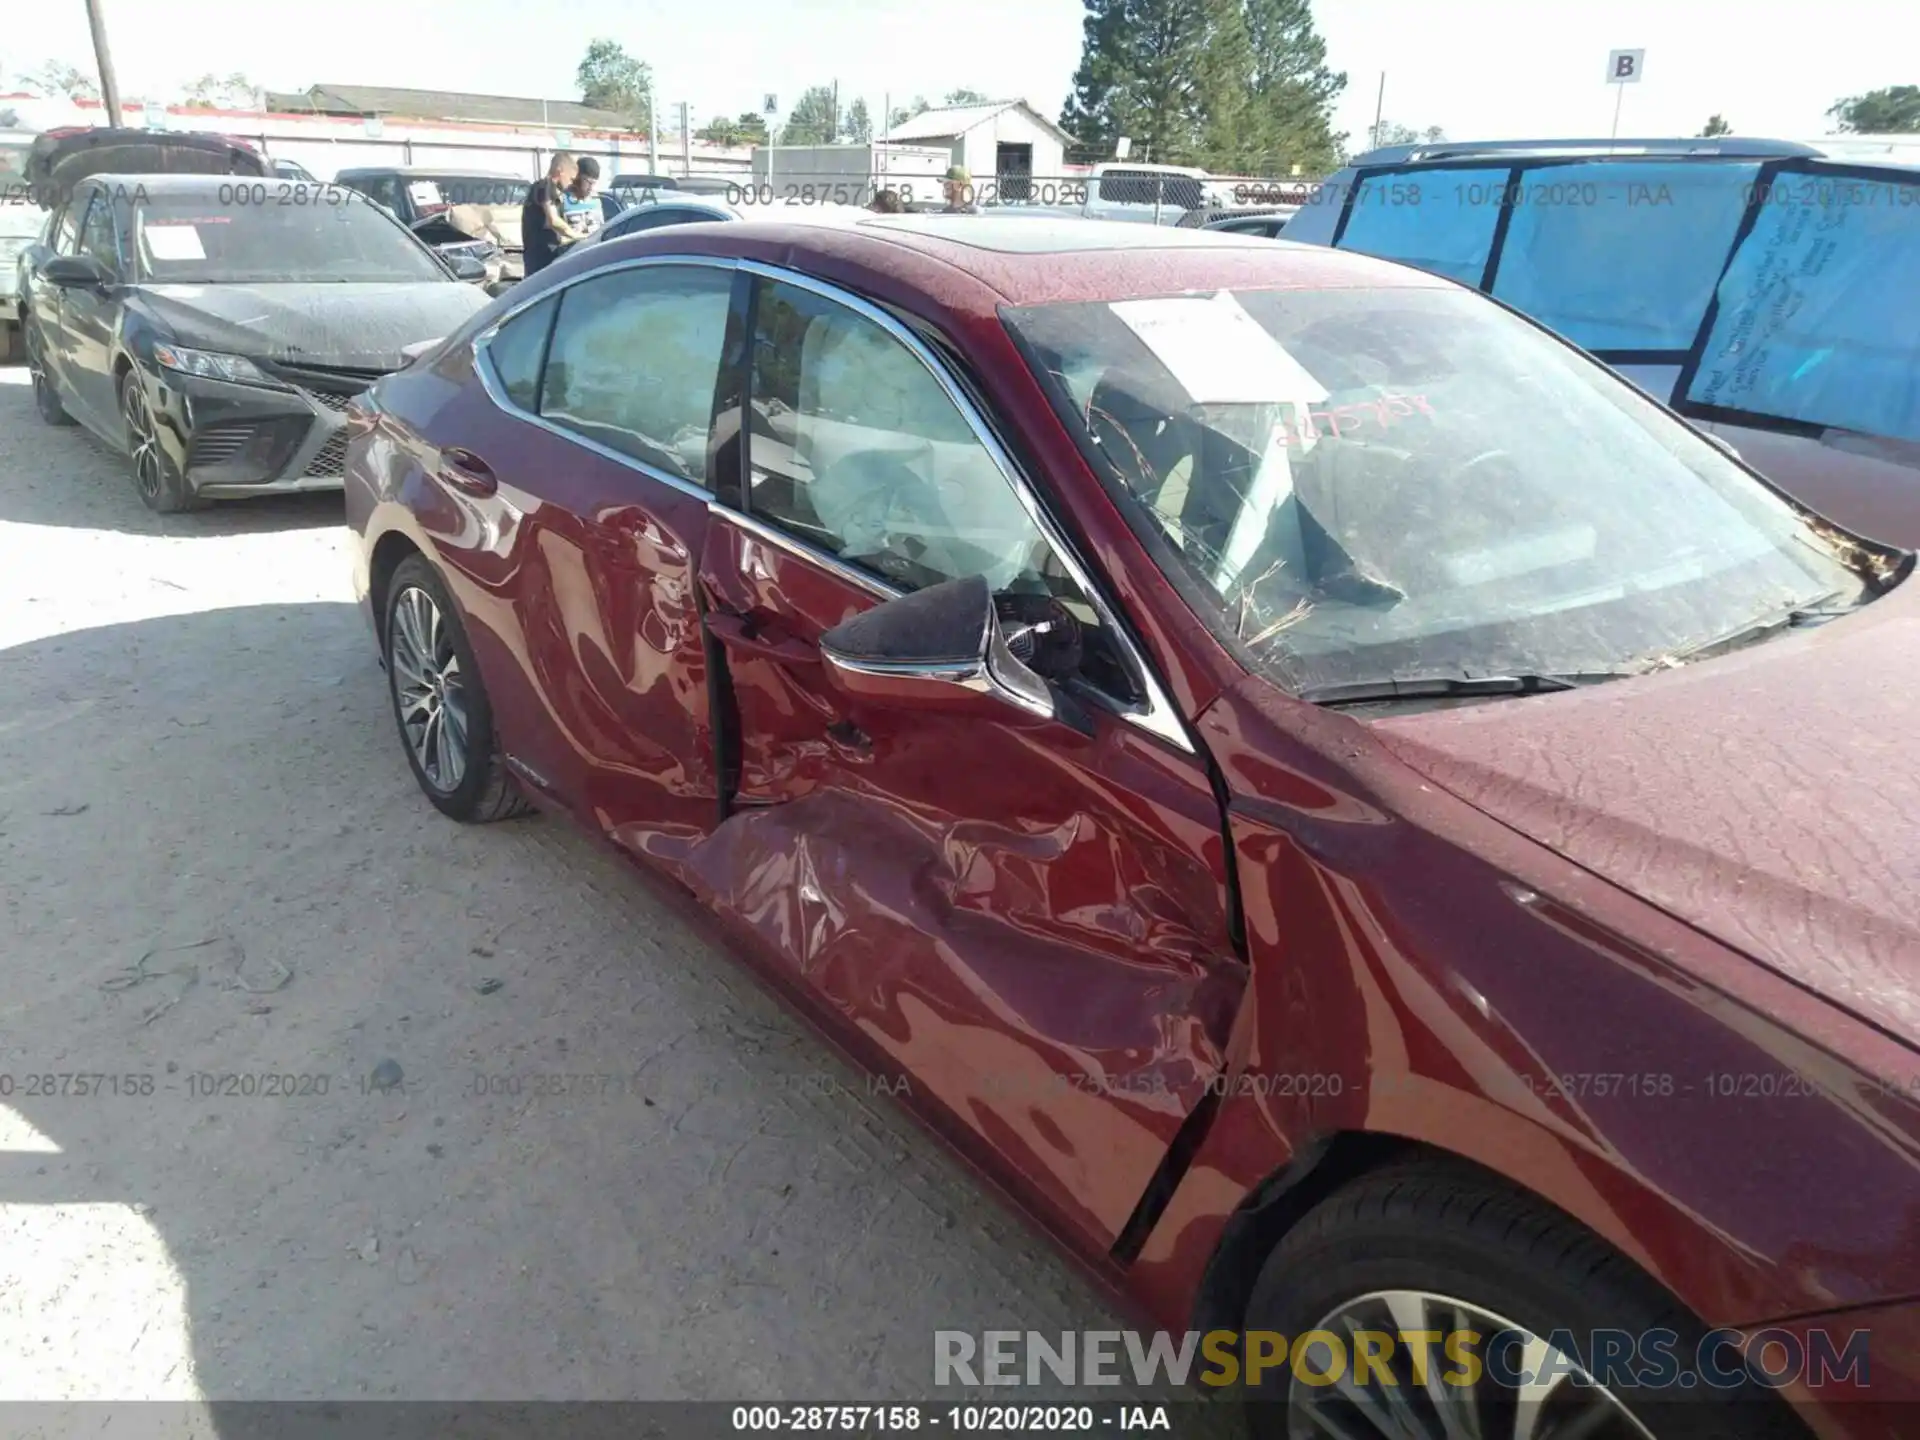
(1559, 1401)
(428, 688)
(143, 441)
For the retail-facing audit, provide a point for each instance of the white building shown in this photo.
(1012, 151)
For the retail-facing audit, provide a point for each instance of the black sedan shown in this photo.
(216, 328)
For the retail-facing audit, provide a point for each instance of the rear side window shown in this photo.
(1621, 256)
(634, 359)
(515, 352)
(1439, 220)
(1819, 317)
(1150, 187)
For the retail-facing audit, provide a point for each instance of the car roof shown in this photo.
(136, 184)
(976, 262)
(1840, 151)
(429, 172)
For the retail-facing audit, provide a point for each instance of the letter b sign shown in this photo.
(1624, 67)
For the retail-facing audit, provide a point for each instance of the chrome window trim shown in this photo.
(1156, 717)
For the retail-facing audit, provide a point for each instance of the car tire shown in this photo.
(1463, 1251)
(46, 395)
(440, 706)
(161, 486)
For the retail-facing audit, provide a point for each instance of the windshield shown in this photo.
(1384, 484)
(338, 237)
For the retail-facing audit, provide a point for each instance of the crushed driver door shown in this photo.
(1029, 921)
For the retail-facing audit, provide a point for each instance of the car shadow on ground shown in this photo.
(307, 1093)
(72, 478)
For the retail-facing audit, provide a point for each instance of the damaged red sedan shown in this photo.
(1357, 819)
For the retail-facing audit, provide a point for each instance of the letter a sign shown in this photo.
(1624, 66)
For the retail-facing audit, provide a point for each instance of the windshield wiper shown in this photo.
(1428, 687)
(1810, 614)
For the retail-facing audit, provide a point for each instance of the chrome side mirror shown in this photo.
(942, 649)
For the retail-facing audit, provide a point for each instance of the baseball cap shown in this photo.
(959, 175)
(590, 167)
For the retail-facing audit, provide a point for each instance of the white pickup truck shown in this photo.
(20, 223)
(1166, 194)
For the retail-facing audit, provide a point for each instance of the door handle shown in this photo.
(466, 471)
(737, 633)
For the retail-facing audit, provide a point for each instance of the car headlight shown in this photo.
(211, 365)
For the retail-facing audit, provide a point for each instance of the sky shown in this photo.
(1479, 69)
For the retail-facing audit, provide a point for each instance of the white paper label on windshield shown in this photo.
(174, 242)
(1218, 352)
(425, 192)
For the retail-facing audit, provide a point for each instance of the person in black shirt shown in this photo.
(542, 216)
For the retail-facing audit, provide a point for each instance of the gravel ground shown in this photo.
(213, 861)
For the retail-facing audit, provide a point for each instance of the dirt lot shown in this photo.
(213, 862)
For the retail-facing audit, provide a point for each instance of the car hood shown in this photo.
(1770, 798)
(358, 327)
(59, 159)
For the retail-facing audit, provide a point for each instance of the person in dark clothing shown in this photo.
(542, 215)
(886, 202)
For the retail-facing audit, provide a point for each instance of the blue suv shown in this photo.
(1767, 291)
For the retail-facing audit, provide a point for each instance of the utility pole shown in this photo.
(686, 139)
(103, 57)
(653, 135)
(834, 138)
(1380, 110)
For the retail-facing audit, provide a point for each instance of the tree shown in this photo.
(1716, 125)
(58, 78)
(1292, 90)
(1892, 111)
(903, 113)
(753, 128)
(814, 119)
(1140, 66)
(859, 123)
(719, 131)
(964, 97)
(1229, 84)
(234, 92)
(1392, 133)
(611, 79)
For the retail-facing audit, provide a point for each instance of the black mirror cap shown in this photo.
(948, 623)
(77, 270)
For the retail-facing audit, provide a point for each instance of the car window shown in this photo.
(97, 234)
(516, 349)
(381, 189)
(1149, 187)
(857, 448)
(1819, 313)
(66, 228)
(633, 362)
(1440, 220)
(1622, 255)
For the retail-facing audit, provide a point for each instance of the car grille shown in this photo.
(331, 459)
(328, 399)
(217, 444)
